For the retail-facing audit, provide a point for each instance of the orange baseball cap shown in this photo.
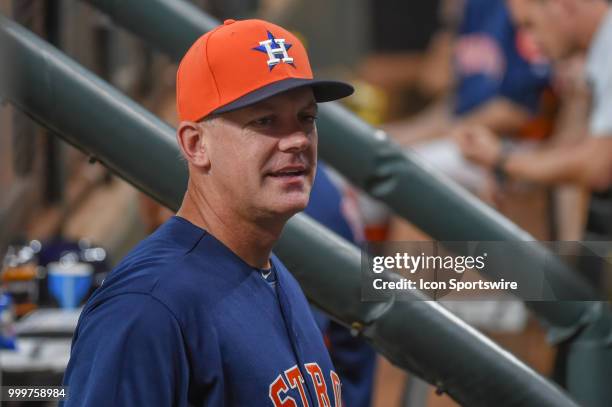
(241, 63)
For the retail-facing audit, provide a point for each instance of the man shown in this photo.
(499, 80)
(501, 83)
(562, 28)
(201, 313)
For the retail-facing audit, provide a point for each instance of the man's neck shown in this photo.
(250, 241)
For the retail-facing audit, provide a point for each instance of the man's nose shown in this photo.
(295, 142)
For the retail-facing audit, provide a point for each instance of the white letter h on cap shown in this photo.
(273, 52)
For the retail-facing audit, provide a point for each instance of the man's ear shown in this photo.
(191, 139)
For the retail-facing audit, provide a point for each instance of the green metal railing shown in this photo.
(419, 336)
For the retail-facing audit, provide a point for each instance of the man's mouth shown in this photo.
(289, 172)
(295, 173)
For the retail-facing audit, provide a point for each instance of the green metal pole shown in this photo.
(419, 335)
(161, 22)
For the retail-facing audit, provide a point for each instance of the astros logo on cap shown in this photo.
(226, 69)
(280, 49)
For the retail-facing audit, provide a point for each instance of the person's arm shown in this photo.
(127, 351)
(587, 162)
(500, 114)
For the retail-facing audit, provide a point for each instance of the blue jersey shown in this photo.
(353, 358)
(325, 205)
(183, 321)
(493, 60)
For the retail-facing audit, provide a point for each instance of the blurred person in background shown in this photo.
(562, 28)
(500, 82)
(499, 79)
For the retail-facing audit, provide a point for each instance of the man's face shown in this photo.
(549, 22)
(263, 157)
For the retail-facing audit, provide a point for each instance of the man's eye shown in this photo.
(309, 118)
(263, 121)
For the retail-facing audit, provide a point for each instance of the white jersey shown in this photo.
(599, 73)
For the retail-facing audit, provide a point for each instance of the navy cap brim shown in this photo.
(324, 91)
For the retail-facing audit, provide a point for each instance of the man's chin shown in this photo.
(290, 205)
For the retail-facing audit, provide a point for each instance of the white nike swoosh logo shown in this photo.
(266, 275)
